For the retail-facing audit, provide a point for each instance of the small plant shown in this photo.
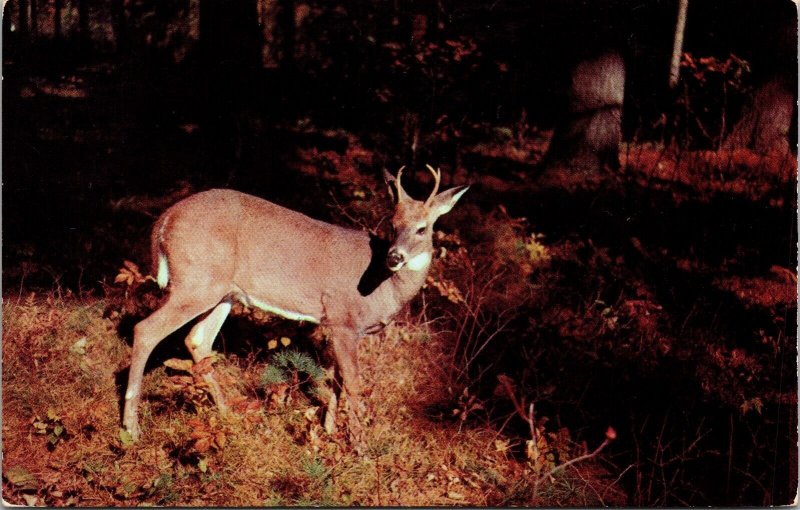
(132, 294)
(52, 427)
(207, 435)
(315, 469)
(287, 372)
(190, 382)
(287, 366)
(162, 489)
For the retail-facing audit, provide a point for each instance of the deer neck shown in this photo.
(386, 291)
(390, 296)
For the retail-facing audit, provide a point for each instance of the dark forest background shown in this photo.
(626, 257)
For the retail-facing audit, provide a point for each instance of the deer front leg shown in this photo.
(200, 341)
(333, 406)
(345, 350)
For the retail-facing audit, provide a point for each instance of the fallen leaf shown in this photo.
(202, 445)
(125, 437)
(204, 366)
(220, 439)
(184, 365)
(79, 347)
(21, 477)
(501, 445)
(311, 413)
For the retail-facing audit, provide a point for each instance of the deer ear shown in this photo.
(445, 200)
(391, 184)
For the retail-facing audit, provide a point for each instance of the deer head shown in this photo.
(413, 222)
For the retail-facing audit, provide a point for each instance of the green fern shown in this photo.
(284, 363)
(272, 375)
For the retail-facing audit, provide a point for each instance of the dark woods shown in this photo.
(625, 256)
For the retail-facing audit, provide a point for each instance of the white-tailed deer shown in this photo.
(221, 245)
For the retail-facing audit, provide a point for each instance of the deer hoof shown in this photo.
(134, 430)
(330, 423)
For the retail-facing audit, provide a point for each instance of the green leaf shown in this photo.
(125, 437)
(129, 488)
(162, 480)
(202, 465)
(58, 429)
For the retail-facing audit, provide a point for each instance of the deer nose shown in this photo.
(395, 259)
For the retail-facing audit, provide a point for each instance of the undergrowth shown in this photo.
(64, 368)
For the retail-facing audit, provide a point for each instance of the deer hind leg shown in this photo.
(199, 342)
(345, 349)
(176, 312)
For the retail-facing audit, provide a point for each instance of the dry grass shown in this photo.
(61, 366)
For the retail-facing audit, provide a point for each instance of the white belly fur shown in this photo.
(287, 314)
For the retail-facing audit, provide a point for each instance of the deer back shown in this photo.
(274, 258)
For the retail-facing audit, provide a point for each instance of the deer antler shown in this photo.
(401, 194)
(437, 177)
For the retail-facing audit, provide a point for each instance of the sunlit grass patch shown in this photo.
(64, 374)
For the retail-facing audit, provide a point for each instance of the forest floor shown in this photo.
(658, 300)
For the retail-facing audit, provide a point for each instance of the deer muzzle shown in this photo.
(395, 259)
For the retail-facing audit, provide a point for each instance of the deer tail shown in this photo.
(161, 267)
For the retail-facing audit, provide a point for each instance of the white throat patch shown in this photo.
(419, 262)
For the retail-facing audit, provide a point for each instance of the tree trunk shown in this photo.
(58, 6)
(677, 47)
(287, 30)
(766, 120)
(83, 21)
(23, 19)
(34, 18)
(267, 17)
(589, 137)
(120, 23)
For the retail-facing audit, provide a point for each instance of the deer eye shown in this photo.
(421, 230)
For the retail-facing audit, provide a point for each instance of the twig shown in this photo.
(570, 462)
(616, 480)
(532, 424)
(589, 484)
(519, 408)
